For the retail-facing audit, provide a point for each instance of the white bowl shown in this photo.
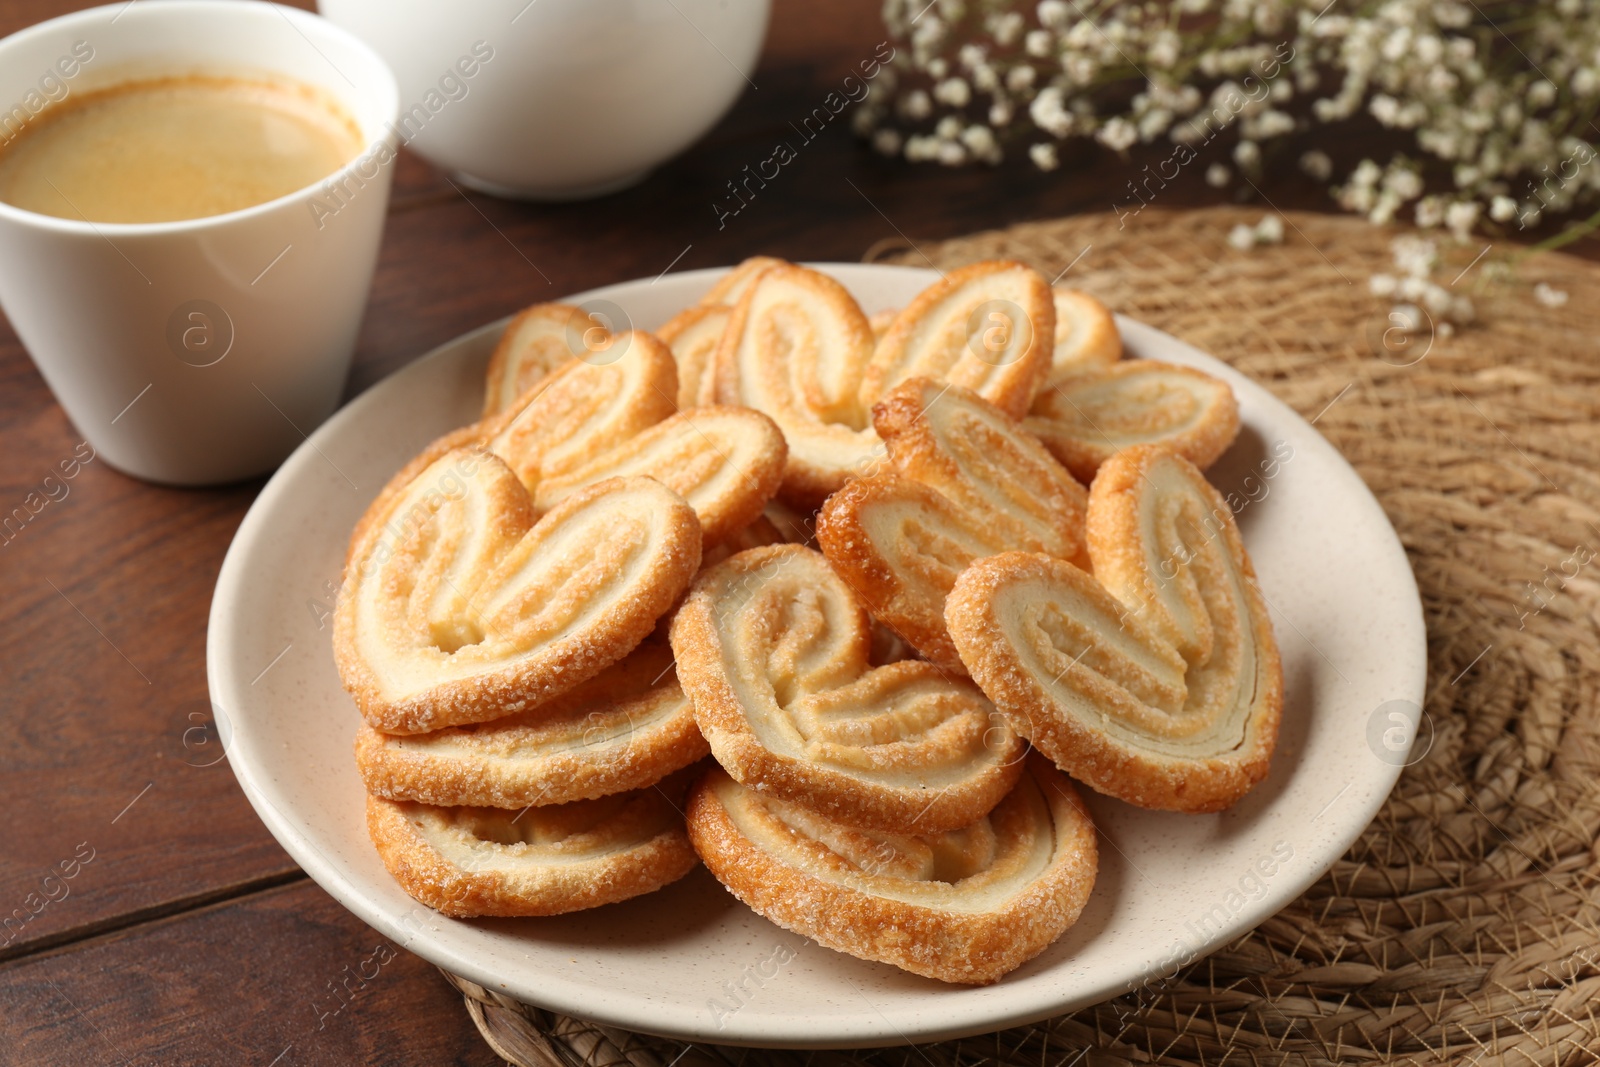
(558, 99)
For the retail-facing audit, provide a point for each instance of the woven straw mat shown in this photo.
(1463, 926)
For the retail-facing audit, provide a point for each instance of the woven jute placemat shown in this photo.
(1464, 925)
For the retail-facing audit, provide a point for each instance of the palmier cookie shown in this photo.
(1158, 683)
(567, 417)
(965, 481)
(1086, 419)
(795, 350)
(966, 905)
(626, 728)
(773, 649)
(586, 408)
(617, 417)
(694, 335)
(988, 327)
(466, 861)
(730, 288)
(458, 606)
(1086, 337)
(537, 342)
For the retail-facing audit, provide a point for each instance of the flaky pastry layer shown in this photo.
(1087, 418)
(1160, 682)
(626, 728)
(964, 481)
(773, 649)
(468, 862)
(968, 905)
(459, 606)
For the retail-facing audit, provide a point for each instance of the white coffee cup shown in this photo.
(558, 99)
(200, 351)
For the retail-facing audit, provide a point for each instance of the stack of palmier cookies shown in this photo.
(903, 578)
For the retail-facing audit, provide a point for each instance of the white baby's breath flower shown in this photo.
(1165, 50)
(1269, 231)
(1382, 284)
(1118, 134)
(1007, 28)
(917, 105)
(1020, 78)
(1317, 164)
(953, 91)
(1043, 156)
(1242, 237)
(1461, 217)
(886, 141)
(1218, 175)
(1407, 317)
(1247, 154)
(1503, 209)
(1549, 296)
(980, 141)
(1054, 13)
(1049, 114)
(1038, 43)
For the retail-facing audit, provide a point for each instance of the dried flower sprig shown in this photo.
(1500, 97)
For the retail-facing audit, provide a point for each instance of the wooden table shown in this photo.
(186, 934)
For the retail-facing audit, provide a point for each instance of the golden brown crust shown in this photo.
(467, 437)
(468, 862)
(1087, 338)
(968, 906)
(773, 650)
(626, 728)
(966, 481)
(989, 327)
(585, 409)
(537, 342)
(1086, 419)
(694, 335)
(730, 288)
(444, 621)
(726, 462)
(794, 350)
(1168, 697)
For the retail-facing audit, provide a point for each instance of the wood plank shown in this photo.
(285, 978)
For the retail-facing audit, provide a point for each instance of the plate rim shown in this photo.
(791, 1029)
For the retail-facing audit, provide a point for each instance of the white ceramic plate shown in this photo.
(692, 962)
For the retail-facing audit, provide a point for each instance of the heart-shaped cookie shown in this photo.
(967, 905)
(616, 417)
(1086, 338)
(537, 342)
(1160, 682)
(460, 606)
(965, 481)
(626, 728)
(468, 862)
(1084, 419)
(773, 649)
(988, 327)
(799, 349)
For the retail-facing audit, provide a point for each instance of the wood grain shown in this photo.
(284, 977)
(102, 628)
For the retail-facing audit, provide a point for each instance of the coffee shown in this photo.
(175, 148)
